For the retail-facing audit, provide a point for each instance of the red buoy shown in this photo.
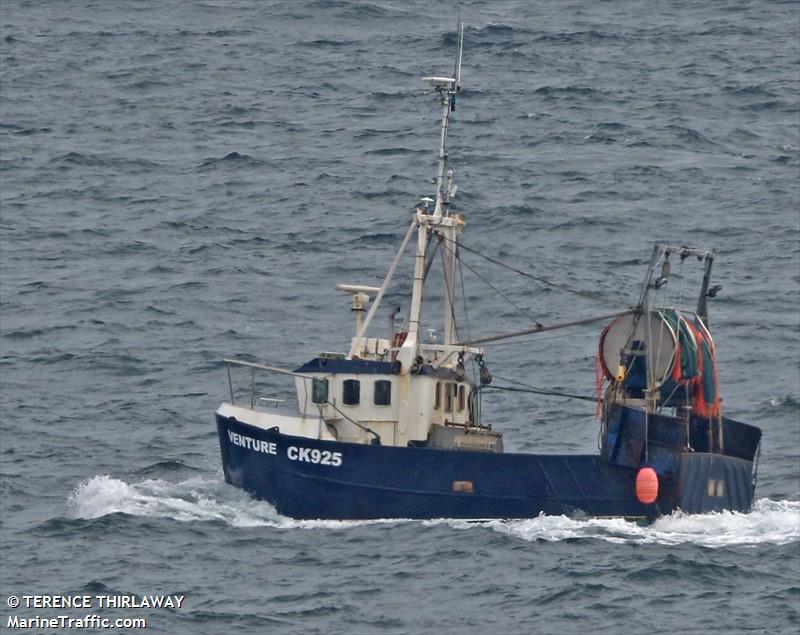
(647, 485)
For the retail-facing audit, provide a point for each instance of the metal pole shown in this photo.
(449, 289)
(416, 291)
(541, 329)
(702, 301)
(376, 302)
(274, 369)
(440, 195)
(230, 383)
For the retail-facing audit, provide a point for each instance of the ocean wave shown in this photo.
(350, 9)
(21, 130)
(232, 159)
(131, 165)
(203, 499)
(195, 499)
(188, 500)
(788, 403)
(582, 37)
(568, 91)
(770, 522)
(327, 42)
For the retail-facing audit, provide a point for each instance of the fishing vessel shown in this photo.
(393, 427)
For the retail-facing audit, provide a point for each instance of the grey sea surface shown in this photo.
(186, 181)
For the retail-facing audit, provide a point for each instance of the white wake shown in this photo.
(770, 522)
(195, 499)
(202, 499)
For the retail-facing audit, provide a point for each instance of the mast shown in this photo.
(441, 220)
(447, 87)
(445, 187)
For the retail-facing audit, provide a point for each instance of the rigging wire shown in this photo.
(450, 293)
(525, 312)
(521, 387)
(376, 440)
(463, 296)
(477, 402)
(542, 328)
(542, 391)
(556, 285)
(657, 357)
(546, 393)
(466, 315)
(539, 339)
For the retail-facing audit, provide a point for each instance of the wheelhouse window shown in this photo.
(450, 392)
(437, 396)
(319, 390)
(462, 397)
(383, 392)
(351, 392)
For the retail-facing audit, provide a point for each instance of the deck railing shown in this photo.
(253, 367)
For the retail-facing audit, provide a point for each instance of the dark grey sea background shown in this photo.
(186, 181)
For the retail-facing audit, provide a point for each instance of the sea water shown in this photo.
(181, 182)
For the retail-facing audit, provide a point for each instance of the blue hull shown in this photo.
(311, 479)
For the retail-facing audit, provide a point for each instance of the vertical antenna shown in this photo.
(459, 51)
(447, 87)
